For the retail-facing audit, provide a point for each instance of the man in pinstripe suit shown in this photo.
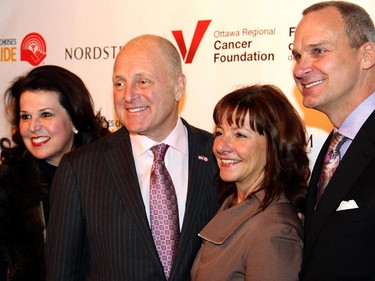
(100, 216)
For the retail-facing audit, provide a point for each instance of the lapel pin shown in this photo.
(204, 158)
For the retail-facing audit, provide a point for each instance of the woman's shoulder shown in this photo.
(281, 216)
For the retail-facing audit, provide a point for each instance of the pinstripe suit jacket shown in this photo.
(98, 229)
(340, 245)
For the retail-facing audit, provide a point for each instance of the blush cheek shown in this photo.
(22, 128)
(24, 132)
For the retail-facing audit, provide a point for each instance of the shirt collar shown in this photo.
(176, 139)
(357, 118)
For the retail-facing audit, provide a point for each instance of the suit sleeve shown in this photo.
(66, 249)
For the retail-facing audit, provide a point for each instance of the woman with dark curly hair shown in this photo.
(51, 113)
(260, 147)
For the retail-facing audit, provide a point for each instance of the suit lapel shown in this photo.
(199, 170)
(313, 186)
(120, 158)
(360, 153)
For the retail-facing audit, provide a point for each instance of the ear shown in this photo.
(75, 131)
(180, 87)
(368, 60)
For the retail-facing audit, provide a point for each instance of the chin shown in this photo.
(40, 157)
(135, 129)
(308, 102)
(227, 178)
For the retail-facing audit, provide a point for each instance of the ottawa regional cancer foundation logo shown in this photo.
(33, 49)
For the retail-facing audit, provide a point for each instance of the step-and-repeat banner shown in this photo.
(224, 45)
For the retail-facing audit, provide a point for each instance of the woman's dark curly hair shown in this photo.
(73, 96)
(271, 115)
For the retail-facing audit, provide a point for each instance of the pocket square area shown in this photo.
(347, 205)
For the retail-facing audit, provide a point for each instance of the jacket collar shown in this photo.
(228, 220)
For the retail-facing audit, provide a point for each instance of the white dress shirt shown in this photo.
(355, 120)
(176, 161)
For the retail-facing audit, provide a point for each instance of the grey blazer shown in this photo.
(98, 227)
(244, 243)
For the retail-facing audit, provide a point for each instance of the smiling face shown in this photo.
(146, 91)
(328, 71)
(45, 126)
(241, 155)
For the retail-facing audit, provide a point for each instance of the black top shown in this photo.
(23, 185)
(47, 171)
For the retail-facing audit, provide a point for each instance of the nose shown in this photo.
(131, 94)
(222, 145)
(34, 124)
(302, 67)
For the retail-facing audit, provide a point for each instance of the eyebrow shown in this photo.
(39, 110)
(313, 46)
(137, 75)
(118, 77)
(319, 44)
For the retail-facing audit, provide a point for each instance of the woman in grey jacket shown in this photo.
(260, 147)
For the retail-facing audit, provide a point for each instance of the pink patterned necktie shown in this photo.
(163, 210)
(331, 161)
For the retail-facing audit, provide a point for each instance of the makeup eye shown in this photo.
(240, 136)
(25, 116)
(217, 134)
(47, 114)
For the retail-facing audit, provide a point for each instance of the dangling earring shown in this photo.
(75, 131)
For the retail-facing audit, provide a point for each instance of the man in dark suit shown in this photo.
(334, 51)
(100, 211)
